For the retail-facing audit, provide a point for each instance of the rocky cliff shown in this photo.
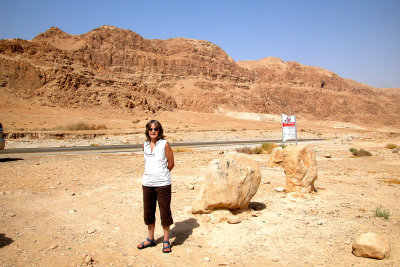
(116, 68)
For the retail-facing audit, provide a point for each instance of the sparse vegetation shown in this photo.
(352, 150)
(181, 149)
(265, 148)
(391, 146)
(381, 212)
(81, 126)
(268, 147)
(136, 121)
(360, 153)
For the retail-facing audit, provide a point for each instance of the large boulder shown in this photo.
(300, 167)
(230, 183)
(371, 245)
(276, 157)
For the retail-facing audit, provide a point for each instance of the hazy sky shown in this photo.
(357, 39)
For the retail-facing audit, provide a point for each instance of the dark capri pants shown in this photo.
(151, 195)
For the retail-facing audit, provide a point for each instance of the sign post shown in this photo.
(289, 128)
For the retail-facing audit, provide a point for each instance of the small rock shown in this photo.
(234, 220)
(395, 151)
(72, 194)
(91, 231)
(255, 214)
(190, 187)
(280, 189)
(71, 211)
(53, 247)
(206, 259)
(327, 155)
(88, 259)
(221, 151)
(319, 223)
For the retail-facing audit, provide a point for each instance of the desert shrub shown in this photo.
(268, 147)
(353, 150)
(248, 150)
(181, 149)
(363, 153)
(391, 146)
(360, 153)
(265, 148)
(381, 212)
(81, 126)
(98, 127)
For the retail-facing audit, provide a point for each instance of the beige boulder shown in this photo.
(371, 245)
(276, 157)
(230, 183)
(300, 166)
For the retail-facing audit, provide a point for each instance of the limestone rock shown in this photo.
(327, 155)
(276, 157)
(300, 167)
(371, 245)
(230, 183)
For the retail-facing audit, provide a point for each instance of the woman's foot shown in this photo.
(166, 247)
(148, 243)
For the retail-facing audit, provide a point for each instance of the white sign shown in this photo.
(289, 129)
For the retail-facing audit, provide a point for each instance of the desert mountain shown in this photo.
(113, 68)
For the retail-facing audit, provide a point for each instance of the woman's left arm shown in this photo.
(170, 156)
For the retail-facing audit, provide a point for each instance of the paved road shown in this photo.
(134, 147)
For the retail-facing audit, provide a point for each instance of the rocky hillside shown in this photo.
(115, 68)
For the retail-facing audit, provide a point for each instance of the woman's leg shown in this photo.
(149, 211)
(164, 202)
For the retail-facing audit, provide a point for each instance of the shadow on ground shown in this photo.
(9, 159)
(5, 241)
(182, 230)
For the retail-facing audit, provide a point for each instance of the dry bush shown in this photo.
(265, 148)
(391, 146)
(181, 149)
(268, 147)
(81, 126)
(381, 212)
(360, 153)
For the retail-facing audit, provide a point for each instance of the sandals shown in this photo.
(151, 244)
(164, 249)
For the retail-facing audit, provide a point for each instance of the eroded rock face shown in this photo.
(116, 68)
(230, 183)
(300, 167)
(276, 157)
(371, 245)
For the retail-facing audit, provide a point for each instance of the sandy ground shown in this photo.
(86, 209)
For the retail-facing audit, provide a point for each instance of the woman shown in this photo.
(159, 161)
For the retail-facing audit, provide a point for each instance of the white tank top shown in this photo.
(156, 171)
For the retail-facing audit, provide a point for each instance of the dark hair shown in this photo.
(157, 124)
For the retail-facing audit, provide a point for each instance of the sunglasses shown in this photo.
(153, 129)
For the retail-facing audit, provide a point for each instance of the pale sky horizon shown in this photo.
(357, 39)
